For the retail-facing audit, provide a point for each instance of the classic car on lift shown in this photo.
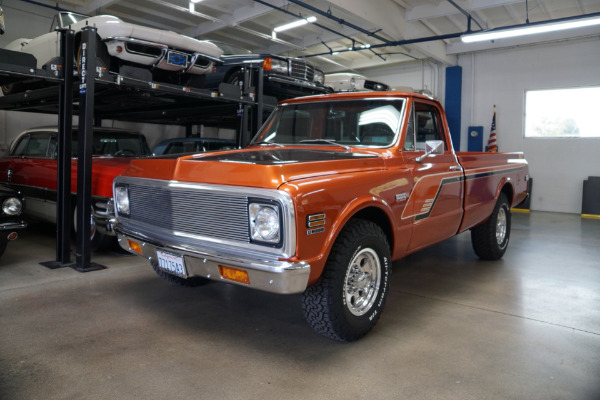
(12, 204)
(284, 77)
(132, 50)
(31, 167)
(349, 82)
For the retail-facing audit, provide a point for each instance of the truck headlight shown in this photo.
(265, 223)
(276, 65)
(12, 206)
(122, 200)
(319, 76)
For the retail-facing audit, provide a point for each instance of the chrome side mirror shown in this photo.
(1, 22)
(432, 147)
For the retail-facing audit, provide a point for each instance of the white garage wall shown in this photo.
(501, 77)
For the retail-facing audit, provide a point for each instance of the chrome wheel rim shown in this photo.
(501, 227)
(362, 282)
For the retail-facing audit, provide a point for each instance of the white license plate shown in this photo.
(171, 263)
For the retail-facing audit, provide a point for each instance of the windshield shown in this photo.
(116, 143)
(368, 122)
(230, 49)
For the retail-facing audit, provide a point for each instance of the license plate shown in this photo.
(171, 263)
(179, 59)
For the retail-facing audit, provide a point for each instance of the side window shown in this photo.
(428, 125)
(38, 144)
(409, 141)
(21, 147)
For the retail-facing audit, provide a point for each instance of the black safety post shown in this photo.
(65, 125)
(259, 100)
(84, 150)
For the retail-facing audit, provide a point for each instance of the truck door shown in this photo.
(435, 203)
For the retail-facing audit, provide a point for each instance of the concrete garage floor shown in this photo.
(526, 327)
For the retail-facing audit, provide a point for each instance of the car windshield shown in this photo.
(116, 144)
(229, 49)
(64, 19)
(368, 122)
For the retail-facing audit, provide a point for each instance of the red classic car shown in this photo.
(31, 167)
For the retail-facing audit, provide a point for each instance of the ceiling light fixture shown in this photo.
(531, 29)
(294, 24)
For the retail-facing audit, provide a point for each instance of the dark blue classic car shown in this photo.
(12, 204)
(284, 77)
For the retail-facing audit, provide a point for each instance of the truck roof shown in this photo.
(355, 96)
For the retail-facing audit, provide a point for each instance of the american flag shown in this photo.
(492, 146)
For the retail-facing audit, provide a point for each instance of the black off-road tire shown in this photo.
(3, 242)
(347, 301)
(491, 238)
(193, 281)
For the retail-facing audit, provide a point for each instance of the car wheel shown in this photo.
(347, 301)
(490, 239)
(3, 243)
(11, 88)
(192, 281)
(235, 78)
(98, 241)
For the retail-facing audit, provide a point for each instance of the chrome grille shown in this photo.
(191, 211)
(302, 70)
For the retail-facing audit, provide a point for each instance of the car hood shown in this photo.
(256, 167)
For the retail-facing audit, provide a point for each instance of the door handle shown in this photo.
(455, 168)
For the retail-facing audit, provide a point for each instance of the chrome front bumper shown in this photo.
(11, 225)
(274, 276)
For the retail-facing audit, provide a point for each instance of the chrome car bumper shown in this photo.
(274, 276)
(11, 225)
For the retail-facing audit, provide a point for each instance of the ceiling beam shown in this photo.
(390, 17)
(445, 9)
(92, 7)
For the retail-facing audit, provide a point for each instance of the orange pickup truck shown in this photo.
(328, 194)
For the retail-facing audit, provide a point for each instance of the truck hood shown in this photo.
(256, 168)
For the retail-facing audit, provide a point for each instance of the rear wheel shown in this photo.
(347, 301)
(490, 239)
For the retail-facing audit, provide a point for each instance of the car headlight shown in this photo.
(122, 200)
(12, 206)
(319, 76)
(265, 223)
(276, 65)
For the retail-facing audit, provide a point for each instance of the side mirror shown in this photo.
(432, 147)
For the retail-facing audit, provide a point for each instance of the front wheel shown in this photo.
(3, 242)
(490, 239)
(347, 301)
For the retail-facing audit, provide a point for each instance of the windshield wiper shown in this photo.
(328, 141)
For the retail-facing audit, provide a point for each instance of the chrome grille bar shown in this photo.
(218, 215)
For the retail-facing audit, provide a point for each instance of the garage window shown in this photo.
(562, 113)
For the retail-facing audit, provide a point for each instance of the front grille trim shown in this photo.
(172, 210)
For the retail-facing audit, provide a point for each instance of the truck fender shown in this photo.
(366, 205)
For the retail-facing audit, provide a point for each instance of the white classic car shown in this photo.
(132, 50)
(349, 82)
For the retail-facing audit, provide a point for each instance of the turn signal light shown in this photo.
(12, 236)
(119, 49)
(135, 246)
(267, 64)
(234, 274)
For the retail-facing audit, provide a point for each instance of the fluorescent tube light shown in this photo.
(294, 24)
(531, 29)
